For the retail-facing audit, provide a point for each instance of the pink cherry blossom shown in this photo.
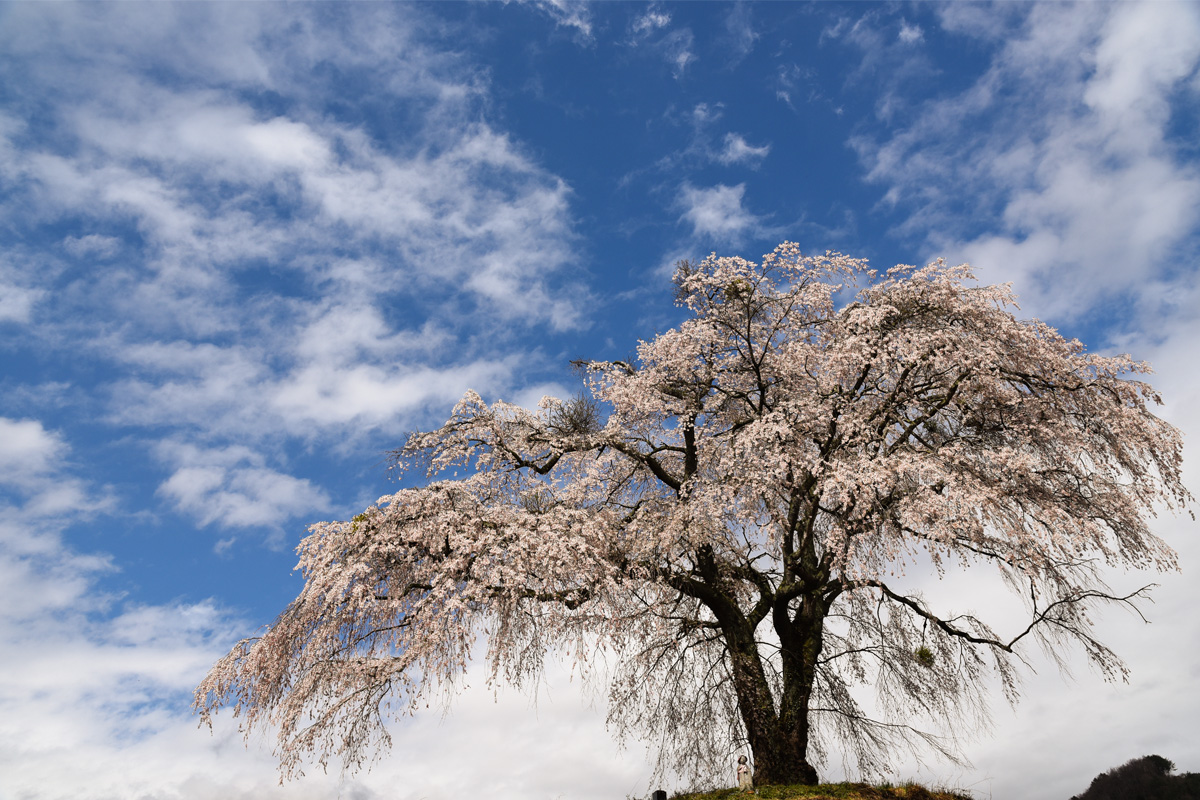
(723, 520)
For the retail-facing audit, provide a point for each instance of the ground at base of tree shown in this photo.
(833, 791)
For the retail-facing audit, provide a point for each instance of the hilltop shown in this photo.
(833, 791)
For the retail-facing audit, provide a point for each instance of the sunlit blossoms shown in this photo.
(724, 519)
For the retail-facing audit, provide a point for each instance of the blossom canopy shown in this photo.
(724, 517)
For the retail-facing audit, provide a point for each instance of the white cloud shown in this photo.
(345, 381)
(31, 463)
(530, 396)
(192, 385)
(130, 713)
(568, 14)
(1090, 199)
(1143, 52)
(17, 302)
(738, 151)
(244, 497)
(910, 34)
(234, 488)
(652, 20)
(27, 450)
(94, 691)
(333, 395)
(344, 375)
(716, 212)
(38, 497)
(19, 293)
(88, 688)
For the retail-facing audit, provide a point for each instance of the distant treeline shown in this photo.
(1145, 778)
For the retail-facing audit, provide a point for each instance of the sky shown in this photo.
(245, 247)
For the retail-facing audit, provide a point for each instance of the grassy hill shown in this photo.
(833, 791)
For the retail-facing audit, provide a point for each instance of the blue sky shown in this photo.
(245, 247)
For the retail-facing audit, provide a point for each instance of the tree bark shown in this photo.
(778, 739)
(778, 736)
(800, 642)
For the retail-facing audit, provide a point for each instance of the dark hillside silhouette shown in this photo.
(1145, 778)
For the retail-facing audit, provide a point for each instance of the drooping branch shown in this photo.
(1045, 616)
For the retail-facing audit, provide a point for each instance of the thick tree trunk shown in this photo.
(778, 739)
(778, 735)
(800, 642)
(782, 758)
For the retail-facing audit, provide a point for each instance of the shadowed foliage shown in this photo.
(1145, 778)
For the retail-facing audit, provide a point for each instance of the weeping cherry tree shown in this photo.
(721, 522)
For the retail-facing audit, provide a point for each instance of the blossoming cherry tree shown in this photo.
(724, 518)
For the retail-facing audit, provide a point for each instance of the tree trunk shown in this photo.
(778, 740)
(800, 647)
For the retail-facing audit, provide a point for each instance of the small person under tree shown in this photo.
(724, 518)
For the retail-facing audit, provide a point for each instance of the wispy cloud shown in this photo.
(273, 273)
(706, 146)
(740, 33)
(738, 151)
(654, 18)
(889, 59)
(679, 50)
(1081, 177)
(674, 46)
(568, 14)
